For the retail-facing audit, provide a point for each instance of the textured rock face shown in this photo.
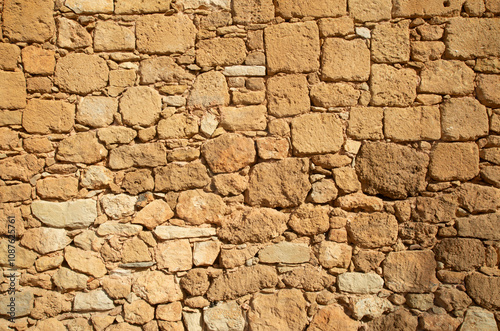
(74, 214)
(12, 90)
(316, 134)
(373, 230)
(229, 152)
(333, 318)
(28, 21)
(45, 116)
(345, 60)
(81, 74)
(287, 95)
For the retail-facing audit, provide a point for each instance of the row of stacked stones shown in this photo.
(251, 164)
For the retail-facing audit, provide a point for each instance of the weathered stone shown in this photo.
(177, 126)
(272, 148)
(159, 34)
(169, 312)
(245, 70)
(206, 252)
(38, 84)
(253, 11)
(180, 261)
(332, 317)
(287, 95)
(334, 255)
(14, 193)
(454, 161)
(367, 260)
(95, 177)
(62, 188)
(487, 90)
(485, 290)
(323, 191)
(310, 220)
(118, 206)
(347, 60)
(71, 214)
(334, 27)
(300, 41)
(403, 8)
(46, 116)
(154, 214)
(229, 153)
(28, 21)
(230, 184)
(37, 145)
(373, 230)
(224, 316)
(140, 105)
(116, 134)
(24, 258)
(346, 180)
(12, 90)
(224, 4)
(393, 87)
(21, 167)
(156, 287)
(491, 155)
(244, 118)
(9, 139)
(177, 232)
(308, 278)
(447, 77)
(198, 207)
(491, 175)
(51, 304)
(478, 199)
(252, 225)
(391, 42)
(285, 252)
(301, 8)
(10, 117)
(179, 177)
(81, 73)
(67, 280)
(468, 38)
(284, 310)
(135, 250)
(421, 233)
(451, 298)
(410, 271)
(162, 68)
(369, 307)
(23, 303)
(72, 35)
(392, 170)
(184, 154)
(334, 95)
(9, 55)
(83, 261)
(116, 228)
(220, 52)
(246, 97)
(356, 282)
(461, 254)
(138, 312)
(90, 7)
(481, 226)
(45, 240)
(110, 36)
(438, 322)
(116, 287)
(195, 282)
(412, 124)
(425, 51)
(234, 257)
(316, 134)
(366, 123)
(373, 10)
(140, 155)
(143, 7)
(420, 301)
(123, 327)
(209, 90)
(38, 60)
(479, 319)
(241, 282)
(95, 300)
(96, 112)
(82, 147)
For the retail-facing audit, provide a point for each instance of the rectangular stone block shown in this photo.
(467, 38)
(370, 10)
(90, 6)
(393, 87)
(9, 55)
(418, 8)
(391, 42)
(12, 90)
(412, 124)
(318, 8)
(347, 60)
(366, 123)
(244, 118)
(28, 20)
(141, 7)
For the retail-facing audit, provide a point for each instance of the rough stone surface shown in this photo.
(38, 61)
(140, 106)
(447, 77)
(224, 316)
(285, 252)
(334, 255)
(71, 34)
(373, 10)
(82, 147)
(287, 95)
(85, 262)
(96, 112)
(412, 124)
(28, 21)
(463, 119)
(356, 282)
(454, 161)
(180, 261)
(479, 319)
(393, 87)
(209, 90)
(197, 207)
(485, 290)
(81, 73)
(309, 220)
(366, 123)
(220, 52)
(345, 60)
(45, 116)
(45, 240)
(334, 95)
(110, 36)
(72, 214)
(487, 90)
(373, 230)
(253, 11)
(178, 177)
(391, 42)
(461, 254)
(332, 317)
(9, 55)
(154, 214)
(316, 134)
(141, 155)
(403, 8)
(94, 300)
(67, 280)
(301, 8)
(12, 90)
(90, 7)
(308, 278)
(156, 287)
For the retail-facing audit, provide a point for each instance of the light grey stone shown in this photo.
(179, 232)
(70, 214)
(226, 316)
(244, 71)
(285, 252)
(123, 229)
(118, 206)
(96, 300)
(361, 283)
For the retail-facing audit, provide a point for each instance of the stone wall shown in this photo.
(250, 164)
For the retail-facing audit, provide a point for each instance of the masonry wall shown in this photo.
(250, 165)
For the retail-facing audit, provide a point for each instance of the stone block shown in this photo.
(81, 73)
(244, 118)
(334, 95)
(12, 90)
(9, 55)
(38, 61)
(463, 119)
(72, 35)
(412, 124)
(454, 161)
(28, 20)
(366, 123)
(468, 38)
(393, 87)
(220, 52)
(287, 95)
(302, 8)
(447, 77)
(252, 11)
(347, 60)
(416, 8)
(96, 111)
(391, 42)
(372, 10)
(46, 116)
(110, 36)
(142, 7)
(316, 134)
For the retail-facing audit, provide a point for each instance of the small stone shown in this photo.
(230, 184)
(373, 230)
(438, 322)
(334, 255)
(233, 71)
(177, 126)
(96, 300)
(138, 312)
(21, 167)
(162, 68)
(8, 117)
(310, 220)
(154, 214)
(24, 258)
(28, 21)
(487, 90)
(393, 87)
(272, 148)
(135, 250)
(45, 240)
(96, 177)
(140, 105)
(425, 51)
(62, 188)
(368, 260)
(334, 27)
(140, 155)
(39, 85)
(391, 42)
(209, 90)
(308, 278)
(45, 263)
(178, 177)
(110, 36)
(220, 52)
(118, 206)
(83, 261)
(323, 191)
(180, 261)
(96, 112)
(224, 316)
(206, 252)
(81, 73)
(451, 298)
(357, 282)
(90, 7)
(228, 153)
(464, 157)
(14, 193)
(169, 312)
(198, 207)
(82, 147)
(369, 307)
(38, 61)
(285, 252)
(346, 180)
(244, 118)
(420, 301)
(12, 90)
(116, 135)
(347, 60)
(334, 95)
(71, 34)
(156, 287)
(316, 134)
(9, 55)
(366, 123)
(333, 317)
(287, 95)
(46, 116)
(116, 228)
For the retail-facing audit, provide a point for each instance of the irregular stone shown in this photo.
(447, 77)
(425, 51)
(21, 167)
(272, 148)
(391, 42)
(96, 112)
(9, 54)
(118, 206)
(373, 230)
(288, 176)
(412, 124)
(482, 227)
(252, 225)
(308, 278)
(451, 298)
(138, 181)
(169, 312)
(393, 87)
(162, 68)
(67, 280)
(116, 228)
(24, 301)
(366, 123)
(143, 7)
(244, 118)
(195, 282)
(491, 155)
(224, 316)
(159, 34)
(334, 95)
(116, 287)
(478, 199)
(138, 312)
(310, 220)
(24, 258)
(9, 139)
(179, 177)
(461, 254)
(332, 317)
(335, 27)
(14, 193)
(316, 134)
(346, 180)
(95, 300)
(491, 175)
(373, 10)
(454, 161)
(253, 11)
(12, 90)
(156, 287)
(71, 214)
(487, 90)
(37, 145)
(241, 282)
(220, 52)
(209, 90)
(402, 8)
(72, 35)
(109, 36)
(198, 207)
(90, 7)
(369, 307)
(334, 255)
(301, 8)
(51, 304)
(347, 60)
(392, 170)
(140, 155)
(468, 38)
(154, 214)
(356, 282)
(177, 232)
(438, 322)
(287, 95)
(485, 290)
(230, 184)
(421, 233)
(224, 4)
(28, 21)
(82, 147)
(206, 252)
(123, 327)
(140, 105)
(96, 177)
(323, 191)
(367, 260)
(177, 126)
(83, 261)
(410, 271)
(45, 240)
(479, 319)
(38, 61)
(300, 41)
(81, 73)
(285, 252)
(62, 188)
(180, 261)
(46, 116)
(135, 250)
(228, 153)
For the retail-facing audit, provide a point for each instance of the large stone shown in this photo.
(252, 11)
(181, 176)
(140, 155)
(10, 117)
(481, 226)
(451, 298)
(62, 188)
(116, 228)
(287, 95)
(135, 250)
(38, 61)
(334, 95)
(45, 240)
(308, 278)
(28, 20)
(180, 261)
(71, 214)
(300, 41)
(393, 87)
(310, 220)
(154, 214)
(140, 105)
(391, 42)
(12, 90)
(116, 287)
(90, 7)
(332, 318)
(485, 290)
(95, 300)
(96, 112)
(454, 161)
(369, 307)
(373, 230)
(461, 254)
(138, 312)
(334, 255)
(488, 90)
(284, 183)
(116, 134)
(160, 34)
(109, 36)
(424, 51)
(14, 193)
(243, 281)
(224, 316)
(361, 283)
(177, 232)
(401, 319)
(86, 262)
(162, 68)
(23, 258)
(392, 170)
(177, 126)
(316, 134)
(9, 55)
(220, 52)
(463, 119)
(209, 90)
(435, 210)
(447, 77)
(142, 7)
(118, 206)
(46, 116)
(284, 310)
(410, 271)
(72, 35)
(197, 207)
(302, 8)
(412, 124)
(469, 38)
(82, 147)
(372, 10)
(81, 73)
(24, 301)
(479, 319)
(252, 225)
(347, 60)
(248, 118)
(206, 252)
(366, 123)
(285, 252)
(478, 198)
(21, 167)
(415, 8)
